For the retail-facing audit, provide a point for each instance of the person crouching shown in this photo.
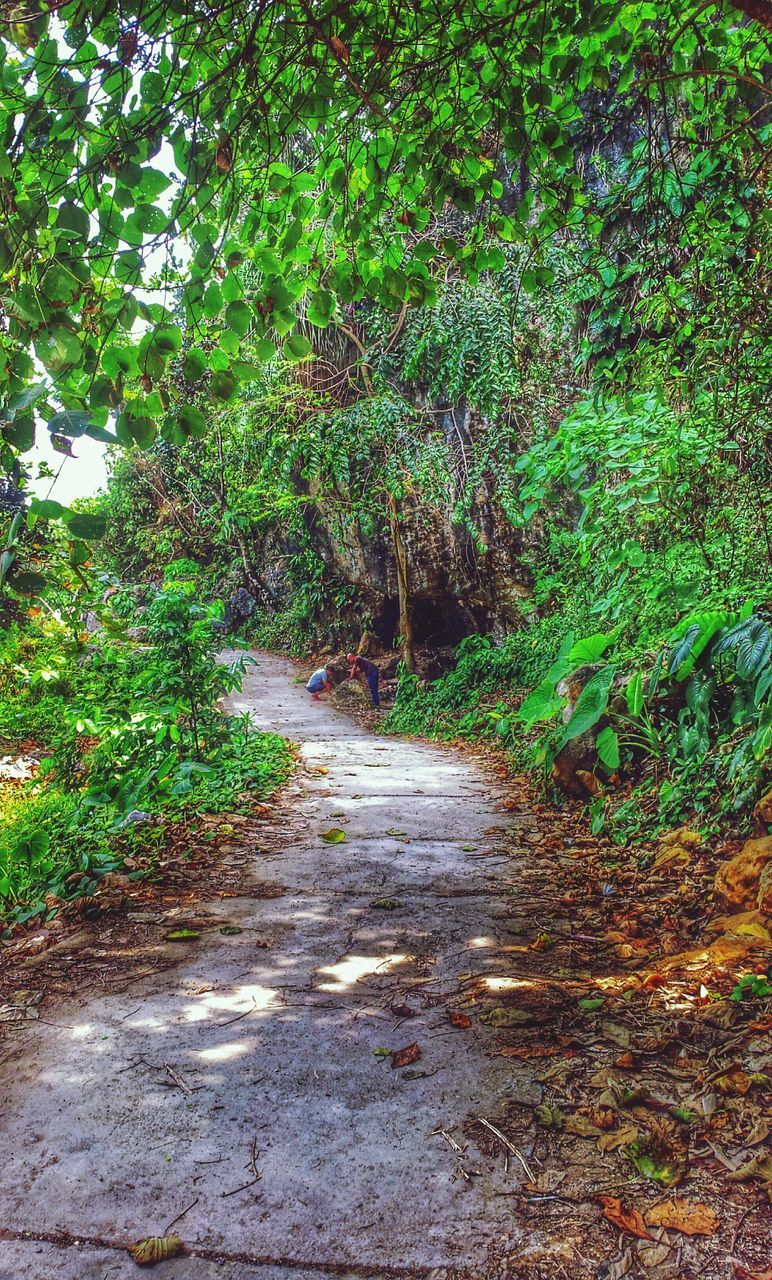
(320, 682)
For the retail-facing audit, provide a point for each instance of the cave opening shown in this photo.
(438, 624)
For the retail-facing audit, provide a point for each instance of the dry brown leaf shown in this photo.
(339, 48)
(625, 1061)
(529, 1051)
(407, 1056)
(688, 1216)
(154, 1249)
(742, 1273)
(460, 1020)
(503, 1017)
(759, 1167)
(618, 1138)
(652, 1256)
(759, 1133)
(624, 1216)
(617, 1268)
(733, 1082)
(547, 1180)
(603, 1117)
(581, 1126)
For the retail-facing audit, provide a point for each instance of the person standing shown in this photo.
(361, 666)
(320, 682)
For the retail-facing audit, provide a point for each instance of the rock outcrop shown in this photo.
(738, 885)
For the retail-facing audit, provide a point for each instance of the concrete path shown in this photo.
(275, 1046)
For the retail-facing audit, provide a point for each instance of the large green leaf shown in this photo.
(72, 422)
(85, 526)
(751, 641)
(590, 649)
(590, 705)
(541, 703)
(607, 747)
(634, 694)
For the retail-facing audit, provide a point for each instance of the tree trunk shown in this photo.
(403, 586)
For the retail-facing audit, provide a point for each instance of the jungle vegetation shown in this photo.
(330, 276)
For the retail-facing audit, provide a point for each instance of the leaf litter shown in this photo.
(659, 1080)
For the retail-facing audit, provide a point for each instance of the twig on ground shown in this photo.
(242, 1188)
(180, 1215)
(238, 1017)
(177, 1078)
(509, 1145)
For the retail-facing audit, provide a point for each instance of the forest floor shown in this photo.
(444, 1042)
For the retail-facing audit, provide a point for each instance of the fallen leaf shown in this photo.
(403, 1011)
(591, 1003)
(624, 1216)
(230, 930)
(759, 1132)
(734, 1082)
(548, 1117)
(754, 929)
(688, 1216)
(460, 1020)
(616, 1269)
(393, 831)
(386, 904)
(381, 1052)
(547, 1180)
(501, 1017)
(651, 1256)
(742, 1273)
(759, 1167)
(155, 1249)
(625, 1061)
(581, 1126)
(334, 836)
(603, 1117)
(618, 1138)
(659, 1155)
(182, 935)
(407, 1056)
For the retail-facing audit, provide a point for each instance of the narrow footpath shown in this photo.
(247, 1093)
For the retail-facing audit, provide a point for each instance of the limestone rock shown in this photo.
(763, 811)
(577, 756)
(764, 900)
(738, 881)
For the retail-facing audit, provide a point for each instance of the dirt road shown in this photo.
(258, 1061)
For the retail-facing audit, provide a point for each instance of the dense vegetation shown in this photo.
(134, 740)
(439, 321)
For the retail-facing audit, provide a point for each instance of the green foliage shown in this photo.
(590, 705)
(753, 986)
(44, 840)
(309, 162)
(130, 726)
